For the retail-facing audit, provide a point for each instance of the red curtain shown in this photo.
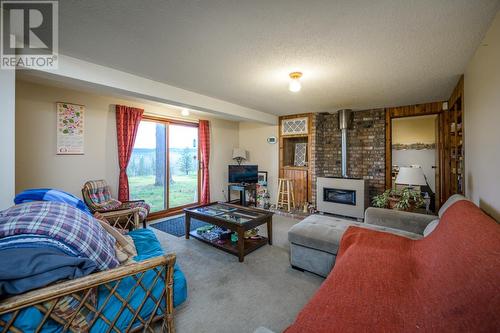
(127, 123)
(204, 139)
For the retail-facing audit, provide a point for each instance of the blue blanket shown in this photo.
(48, 194)
(147, 246)
(36, 267)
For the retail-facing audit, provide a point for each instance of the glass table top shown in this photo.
(228, 213)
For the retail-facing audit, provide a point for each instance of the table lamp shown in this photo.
(239, 155)
(411, 177)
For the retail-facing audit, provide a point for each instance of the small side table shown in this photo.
(242, 188)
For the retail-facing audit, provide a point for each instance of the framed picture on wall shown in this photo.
(262, 177)
(70, 128)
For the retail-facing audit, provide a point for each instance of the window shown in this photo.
(163, 168)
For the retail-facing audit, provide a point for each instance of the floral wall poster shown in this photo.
(70, 126)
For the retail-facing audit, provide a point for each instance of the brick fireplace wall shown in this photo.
(365, 147)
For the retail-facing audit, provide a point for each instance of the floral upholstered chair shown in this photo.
(126, 215)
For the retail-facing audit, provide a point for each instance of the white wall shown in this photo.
(482, 123)
(37, 164)
(224, 135)
(253, 138)
(7, 137)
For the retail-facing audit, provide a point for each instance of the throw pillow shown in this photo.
(124, 246)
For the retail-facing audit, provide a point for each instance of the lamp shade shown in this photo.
(239, 153)
(411, 176)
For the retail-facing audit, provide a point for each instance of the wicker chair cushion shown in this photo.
(99, 195)
(109, 205)
(143, 208)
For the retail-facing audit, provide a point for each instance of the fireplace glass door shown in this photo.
(340, 196)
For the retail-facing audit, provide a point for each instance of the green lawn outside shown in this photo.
(183, 191)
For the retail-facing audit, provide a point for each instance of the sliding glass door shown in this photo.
(183, 161)
(163, 168)
(147, 168)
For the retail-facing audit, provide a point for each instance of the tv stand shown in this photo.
(242, 188)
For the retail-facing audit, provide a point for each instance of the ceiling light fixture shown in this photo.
(185, 112)
(294, 85)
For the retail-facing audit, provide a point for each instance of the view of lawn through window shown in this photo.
(148, 165)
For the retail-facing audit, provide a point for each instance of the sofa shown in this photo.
(314, 242)
(70, 272)
(382, 281)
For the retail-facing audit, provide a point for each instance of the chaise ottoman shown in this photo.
(314, 241)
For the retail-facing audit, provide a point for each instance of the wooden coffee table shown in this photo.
(235, 218)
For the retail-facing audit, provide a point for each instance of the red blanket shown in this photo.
(446, 282)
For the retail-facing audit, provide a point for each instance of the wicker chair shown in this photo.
(124, 215)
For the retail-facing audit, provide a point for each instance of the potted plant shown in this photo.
(382, 200)
(405, 199)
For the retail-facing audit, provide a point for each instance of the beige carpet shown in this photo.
(227, 296)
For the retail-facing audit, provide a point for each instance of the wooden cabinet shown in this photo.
(295, 137)
(299, 176)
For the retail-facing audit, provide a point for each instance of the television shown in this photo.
(243, 174)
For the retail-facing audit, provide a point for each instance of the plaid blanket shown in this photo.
(65, 224)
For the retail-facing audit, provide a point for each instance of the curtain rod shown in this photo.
(166, 117)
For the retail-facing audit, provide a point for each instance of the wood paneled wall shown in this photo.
(453, 178)
(458, 92)
(444, 187)
(400, 112)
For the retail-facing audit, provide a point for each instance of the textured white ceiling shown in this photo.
(354, 54)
